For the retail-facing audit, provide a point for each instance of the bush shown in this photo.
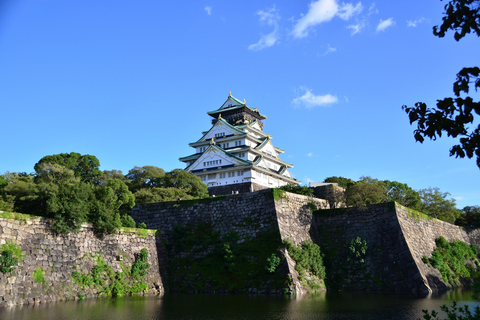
(140, 266)
(142, 225)
(127, 221)
(7, 261)
(272, 263)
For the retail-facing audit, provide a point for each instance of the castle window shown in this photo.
(240, 173)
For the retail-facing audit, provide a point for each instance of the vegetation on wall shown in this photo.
(456, 260)
(106, 281)
(309, 263)
(200, 259)
(357, 250)
(10, 255)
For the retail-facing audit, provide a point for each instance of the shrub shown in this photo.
(272, 263)
(7, 261)
(140, 266)
(127, 221)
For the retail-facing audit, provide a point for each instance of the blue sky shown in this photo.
(131, 81)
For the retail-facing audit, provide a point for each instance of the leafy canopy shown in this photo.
(453, 115)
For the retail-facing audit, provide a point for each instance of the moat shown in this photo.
(184, 306)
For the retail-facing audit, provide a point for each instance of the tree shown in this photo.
(470, 217)
(25, 194)
(145, 177)
(111, 174)
(341, 181)
(435, 203)
(186, 181)
(84, 166)
(452, 115)
(109, 199)
(363, 194)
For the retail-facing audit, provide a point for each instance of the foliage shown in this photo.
(298, 189)
(226, 261)
(435, 203)
(454, 260)
(278, 193)
(308, 258)
(453, 313)
(107, 281)
(127, 221)
(363, 194)
(142, 225)
(186, 181)
(84, 166)
(10, 255)
(69, 206)
(357, 250)
(341, 181)
(140, 266)
(39, 275)
(452, 115)
(469, 217)
(14, 247)
(7, 261)
(272, 263)
(145, 177)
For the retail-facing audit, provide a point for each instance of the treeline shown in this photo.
(70, 189)
(430, 201)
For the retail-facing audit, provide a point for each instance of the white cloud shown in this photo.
(309, 154)
(414, 23)
(208, 10)
(384, 24)
(459, 198)
(271, 18)
(323, 11)
(348, 10)
(372, 9)
(357, 28)
(309, 100)
(329, 50)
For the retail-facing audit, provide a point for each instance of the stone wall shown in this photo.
(397, 239)
(225, 214)
(229, 189)
(60, 256)
(420, 234)
(388, 264)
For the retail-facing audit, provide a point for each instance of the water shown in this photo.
(183, 306)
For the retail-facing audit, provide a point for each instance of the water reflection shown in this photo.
(178, 306)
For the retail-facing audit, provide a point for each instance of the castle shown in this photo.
(235, 155)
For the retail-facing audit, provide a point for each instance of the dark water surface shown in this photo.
(183, 306)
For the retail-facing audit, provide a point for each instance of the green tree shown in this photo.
(109, 199)
(453, 115)
(435, 203)
(152, 195)
(401, 193)
(21, 188)
(363, 194)
(469, 217)
(7, 201)
(70, 206)
(341, 181)
(186, 181)
(145, 177)
(111, 174)
(84, 166)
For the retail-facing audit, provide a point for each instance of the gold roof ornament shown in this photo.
(212, 141)
(230, 94)
(219, 116)
(244, 102)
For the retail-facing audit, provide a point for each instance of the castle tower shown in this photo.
(235, 154)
